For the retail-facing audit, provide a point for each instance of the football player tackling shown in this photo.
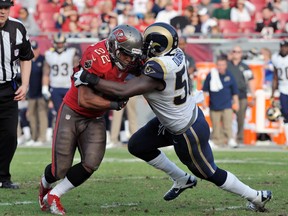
(178, 122)
(80, 123)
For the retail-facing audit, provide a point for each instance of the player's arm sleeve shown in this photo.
(26, 52)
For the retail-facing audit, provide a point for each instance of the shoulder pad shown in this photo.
(155, 68)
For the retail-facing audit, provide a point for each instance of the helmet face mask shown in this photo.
(125, 41)
(160, 39)
(59, 41)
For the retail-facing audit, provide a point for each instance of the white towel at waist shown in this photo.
(215, 82)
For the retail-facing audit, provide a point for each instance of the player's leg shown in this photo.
(8, 136)
(144, 144)
(57, 95)
(216, 125)
(284, 111)
(197, 155)
(91, 134)
(63, 149)
(240, 119)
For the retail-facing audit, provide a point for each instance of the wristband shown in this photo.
(92, 79)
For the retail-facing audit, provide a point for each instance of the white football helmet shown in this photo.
(160, 39)
(59, 42)
(273, 113)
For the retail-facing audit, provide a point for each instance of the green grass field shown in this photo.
(124, 185)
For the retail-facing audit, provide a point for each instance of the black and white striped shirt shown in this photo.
(14, 46)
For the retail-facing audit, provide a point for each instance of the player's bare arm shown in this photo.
(90, 99)
(46, 72)
(87, 98)
(136, 86)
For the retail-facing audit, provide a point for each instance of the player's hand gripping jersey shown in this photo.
(96, 59)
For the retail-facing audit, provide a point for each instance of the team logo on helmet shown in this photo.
(120, 36)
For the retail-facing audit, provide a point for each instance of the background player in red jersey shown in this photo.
(80, 123)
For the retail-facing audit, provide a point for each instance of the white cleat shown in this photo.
(232, 143)
(258, 204)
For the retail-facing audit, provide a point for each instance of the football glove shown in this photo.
(118, 105)
(83, 77)
(45, 92)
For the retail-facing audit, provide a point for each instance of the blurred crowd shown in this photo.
(200, 18)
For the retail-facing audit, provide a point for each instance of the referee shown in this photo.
(15, 51)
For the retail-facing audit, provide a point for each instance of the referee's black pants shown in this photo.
(8, 129)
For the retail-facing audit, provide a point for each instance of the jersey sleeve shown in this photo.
(94, 62)
(26, 52)
(155, 68)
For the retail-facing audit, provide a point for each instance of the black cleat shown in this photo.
(9, 185)
(179, 186)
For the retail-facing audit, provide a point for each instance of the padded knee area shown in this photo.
(48, 175)
(141, 150)
(219, 177)
(78, 174)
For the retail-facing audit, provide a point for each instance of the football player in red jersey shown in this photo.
(80, 123)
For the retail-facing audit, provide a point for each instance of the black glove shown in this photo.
(118, 105)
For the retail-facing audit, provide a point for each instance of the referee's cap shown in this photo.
(6, 3)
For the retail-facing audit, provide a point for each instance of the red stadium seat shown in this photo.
(259, 6)
(247, 25)
(48, 25)
(47, 7)
(45, 16)
(230, 33)
(227, 24)
(282, 16)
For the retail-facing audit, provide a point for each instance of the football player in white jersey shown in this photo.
(178, 122)
(57, 69)
(280, 82)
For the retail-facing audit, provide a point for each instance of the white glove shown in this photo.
(45, 92)
(77, 79)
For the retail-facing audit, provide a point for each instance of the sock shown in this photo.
(286, 132)
(234, 185)
(45, 183)
(163, 163)
(63, 187)
(26, 132)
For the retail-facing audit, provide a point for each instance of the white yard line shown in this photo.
(17, 203)
(226, 208)
(115, 205)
